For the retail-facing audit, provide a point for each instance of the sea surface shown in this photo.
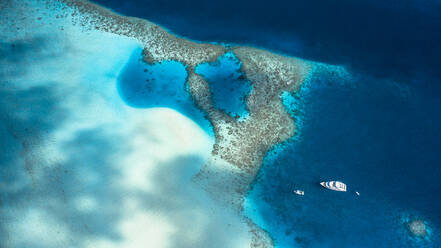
(229, 86)
(383, 38)
(98, 149)
(376, 128)
(379, 137)
(161, 84)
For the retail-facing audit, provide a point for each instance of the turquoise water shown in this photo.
(379, 131)
(162, 84)
(229, 87)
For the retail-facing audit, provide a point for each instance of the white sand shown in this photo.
(91, 171)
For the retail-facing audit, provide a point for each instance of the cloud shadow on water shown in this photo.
(73, 190)
(32, 180)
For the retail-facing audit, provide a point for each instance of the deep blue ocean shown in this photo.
(379, 131)
(382, 139)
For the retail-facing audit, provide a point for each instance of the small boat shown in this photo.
(356, 192)
(299, 192)
(334, 185)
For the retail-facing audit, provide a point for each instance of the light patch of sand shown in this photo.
(103, 174)
(36, 224)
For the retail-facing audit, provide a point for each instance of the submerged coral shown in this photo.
(417, 228)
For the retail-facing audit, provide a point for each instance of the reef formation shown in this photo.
(418, 228)
(240, 145)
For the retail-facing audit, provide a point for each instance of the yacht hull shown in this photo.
(334, 185)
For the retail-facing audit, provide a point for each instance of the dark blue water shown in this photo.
(382, 37)
(379, 131)
(162, 84)
(381, 138)
(229, 87)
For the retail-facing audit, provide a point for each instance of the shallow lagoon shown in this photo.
(229, 86)
(86, 166)
(162, 84)
(365, 132)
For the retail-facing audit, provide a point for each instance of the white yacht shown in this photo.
(299, 192)
(334, 185)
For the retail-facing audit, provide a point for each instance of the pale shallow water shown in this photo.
(84, 167)
(99, 163)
